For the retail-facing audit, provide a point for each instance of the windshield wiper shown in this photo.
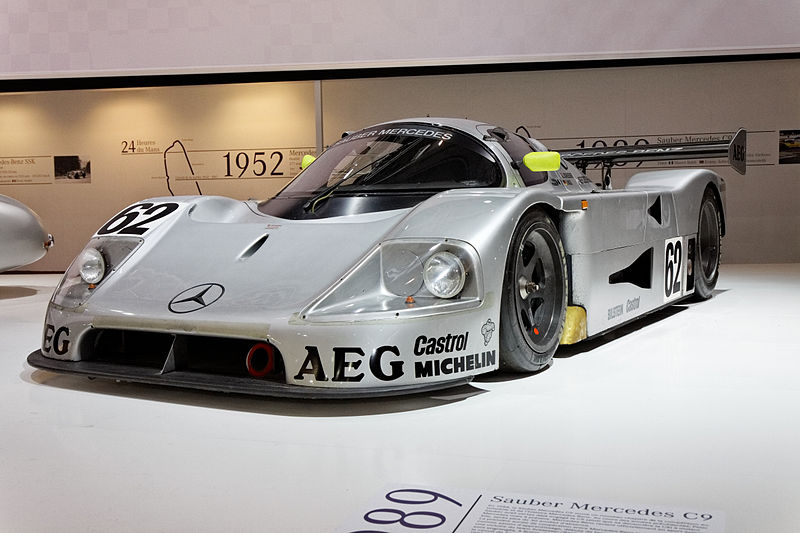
(325, 193)
(378, 163)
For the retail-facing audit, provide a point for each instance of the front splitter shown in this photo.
(229, 384)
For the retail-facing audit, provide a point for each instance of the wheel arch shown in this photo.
(551, 210)
(687, 187)
(718, 198)
(520, 349)
(552, 205)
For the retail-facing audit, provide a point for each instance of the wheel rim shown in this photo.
(538, 289)
(709, 240)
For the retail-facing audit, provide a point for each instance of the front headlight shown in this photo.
(444, 275)
(414, 277)
(101, 258)
(92, 266)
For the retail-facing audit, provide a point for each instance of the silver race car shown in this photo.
(411, 255)
(23, 239)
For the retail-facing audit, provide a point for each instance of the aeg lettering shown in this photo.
(53, 339)
(347, 361)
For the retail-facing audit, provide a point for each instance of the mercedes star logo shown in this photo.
(196, 298)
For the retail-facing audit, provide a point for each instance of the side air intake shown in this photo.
(655, 210)
(639, 273)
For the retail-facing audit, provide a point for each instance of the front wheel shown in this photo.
(709, 247)
(534, 300)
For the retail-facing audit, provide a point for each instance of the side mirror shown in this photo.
(542, 161)
(307, 160)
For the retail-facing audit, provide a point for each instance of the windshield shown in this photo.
(395, 159)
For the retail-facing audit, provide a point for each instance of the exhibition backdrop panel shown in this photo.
(79, 38)
(78, 157)
(611, 106)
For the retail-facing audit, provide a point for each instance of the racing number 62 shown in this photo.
(672, 268)
(130, 221)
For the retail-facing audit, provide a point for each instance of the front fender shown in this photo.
(486, 218)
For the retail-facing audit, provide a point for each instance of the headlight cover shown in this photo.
(99, 260)
(404, 278)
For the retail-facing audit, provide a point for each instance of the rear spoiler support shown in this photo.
(735, 150)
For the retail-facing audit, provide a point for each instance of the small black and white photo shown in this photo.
(72, 167)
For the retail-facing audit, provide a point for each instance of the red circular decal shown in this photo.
(260, 373)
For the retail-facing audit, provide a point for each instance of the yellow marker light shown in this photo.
(584, 204)
(542, 161)
(307, 160)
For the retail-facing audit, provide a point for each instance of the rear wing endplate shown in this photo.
(735, 150)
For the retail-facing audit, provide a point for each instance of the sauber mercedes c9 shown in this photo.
(409, 256)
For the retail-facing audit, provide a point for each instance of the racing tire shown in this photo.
(534, 301)
(709, 247)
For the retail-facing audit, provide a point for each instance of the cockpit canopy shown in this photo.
(406, 162)
(398, 165)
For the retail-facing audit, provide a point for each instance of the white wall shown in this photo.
(41, 38)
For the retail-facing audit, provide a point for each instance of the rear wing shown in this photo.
(735, 150)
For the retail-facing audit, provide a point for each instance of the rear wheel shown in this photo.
(534, 295)
(709, 247)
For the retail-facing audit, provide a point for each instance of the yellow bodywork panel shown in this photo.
(574, 325)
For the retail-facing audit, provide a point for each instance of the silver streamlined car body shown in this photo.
(411, 255)
(23, 239)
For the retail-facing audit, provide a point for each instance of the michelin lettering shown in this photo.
(454, 365)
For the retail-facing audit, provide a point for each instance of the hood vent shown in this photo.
(253, 248)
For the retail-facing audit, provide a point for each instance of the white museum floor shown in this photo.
(695, 408)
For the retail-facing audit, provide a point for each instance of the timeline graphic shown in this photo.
(182, 163)
(188, 163)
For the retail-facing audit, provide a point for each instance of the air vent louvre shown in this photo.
(253, 248)
(639, 273)
(655, 210)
